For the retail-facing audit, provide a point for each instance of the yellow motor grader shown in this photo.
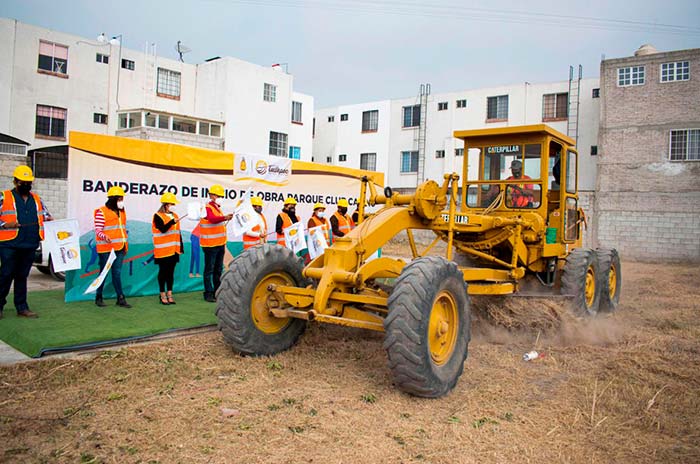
(512, 226)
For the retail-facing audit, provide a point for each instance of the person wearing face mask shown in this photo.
(256, 235)
(285, 219)
(167, 245)
(213, 242)
(341, 222)
(110, 234)
(22, 216)
(319, 219)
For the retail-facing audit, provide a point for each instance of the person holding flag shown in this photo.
(319, 219)
(286, 218)
(213, 241)
(110, 235)
(257, 233)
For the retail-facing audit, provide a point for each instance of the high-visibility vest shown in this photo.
(212, 234)
(522, 195)
(250, 240)
(323, 223)
(166, 243)
(286, 222)
(345, 222)
(114, 229)
(8, 213)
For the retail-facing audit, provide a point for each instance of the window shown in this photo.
(368, 161)
(594, 150)
(595, 93)
(129, 120)
(295, 153)
(128, 64)
(269, 92)
(497, 108)
(459, 151)
(296, 112)
(168, 83)
(53, 58)
(409, 161)
(331, 118)
(13, 149)
(370, 121)
(411, 116)
(678, 71)
(685, 145)
(555, 106)
(163, 121)
(329, 159)
(50, 121)
(342, 158)
(49, 162)
(442, 106)
(99, 118)
(100, 58)
(278, 144)
(439, 153)
(571, 172)
(207, 128)
(462, 103)
(184, 125)
(633, 75)
(344, 117)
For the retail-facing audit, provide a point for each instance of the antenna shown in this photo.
(181, 49)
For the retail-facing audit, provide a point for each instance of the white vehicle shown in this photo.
(42, 261)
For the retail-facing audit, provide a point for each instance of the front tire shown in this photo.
(610, 279)
(580, 279)
(427, 328)
(242, 301)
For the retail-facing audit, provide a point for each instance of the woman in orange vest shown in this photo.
(319, 219)
(257, 235)
(213, 241)
(341, 222)
(110, 234)
(285, 219)
(167, 245)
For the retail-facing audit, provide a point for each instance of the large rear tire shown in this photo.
(610, 279)
(580, 279)
(427, 328)
(242, 301)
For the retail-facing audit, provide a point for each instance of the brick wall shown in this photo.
(647, 206)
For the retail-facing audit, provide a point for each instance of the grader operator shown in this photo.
(505, 233)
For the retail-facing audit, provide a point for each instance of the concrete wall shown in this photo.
(648, 206)
(53, 192)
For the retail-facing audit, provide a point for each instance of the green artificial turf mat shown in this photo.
(62, 326)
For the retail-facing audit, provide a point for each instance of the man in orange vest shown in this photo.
(520, 195)
(319, 219)
(110, 234)
(213, 241)
(285, 219)
(256, 235)
(22, 216)
(341, 222)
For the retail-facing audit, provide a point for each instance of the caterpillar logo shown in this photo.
(261, 167)
(459, 218)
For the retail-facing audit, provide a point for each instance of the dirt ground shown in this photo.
(623, 388)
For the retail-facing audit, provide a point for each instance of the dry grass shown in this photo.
(624, 388)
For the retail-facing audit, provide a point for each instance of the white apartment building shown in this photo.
(52, 83)
(383, 135)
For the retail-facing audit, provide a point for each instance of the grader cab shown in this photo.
(513, 225)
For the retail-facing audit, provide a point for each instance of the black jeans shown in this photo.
(213, 266)
(166, 272)
(15, 264)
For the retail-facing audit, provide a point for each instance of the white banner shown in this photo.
(62, 240)
(244, 218)
(92, 288)
(294, 237)
(270, 170)
(316, 241)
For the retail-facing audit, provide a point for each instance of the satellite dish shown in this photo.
(181, 49)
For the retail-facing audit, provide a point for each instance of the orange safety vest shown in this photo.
(212, 234)
(250, 241)
(520, 198)
(166, 243)
(326, 227)
(8, 213)
(286, 222)
(345, 223)
(114, 229)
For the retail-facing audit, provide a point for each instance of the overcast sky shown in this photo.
(356, 51)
